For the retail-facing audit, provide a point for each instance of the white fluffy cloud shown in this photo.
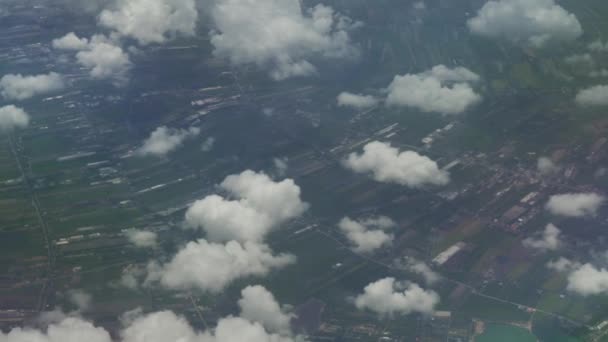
(142, 238)
(588, 280)
(441, 90)
(160, 326)
(166, 326)
(68, 330)
(261, 206)
(12, 117)
(70, 42)
(210, 267)
(598, 46)
(593, 96)
(164, 140)
(546, 166)
(387, 297)
(575, 205)
(563, 265)
(368, 235)
(357, 101)
(81, 299)
(387, 164)
(279, 35)
(104, 58)
(105, 61)
(151, 21)
(259, 305)
(419, 267)
(19, 87)
(533, 22)
(549, 239)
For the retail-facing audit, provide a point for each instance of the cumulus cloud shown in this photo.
(388, 297)
(151, 21)
(598, 46)
(588, 280)
(598, 73)
(563, 265)
(575, 205)
(70, 42)
(210, 267)
(208, 144)
(12, 117)
(593, 96)
(104, 58)
(259, 305)
(367, 236)
(387, 164)
(546, 166)
(356, 101)
(71, 329)
(580, 59)
(280, 165)
(160, 326)
(81, 299)
(105, 61)
(261, 205)
(420, 268)
(19, 87)
(533, 22)
(279, 35)
(142, 238)
(549, 239)
(164, 140)
(440, 90)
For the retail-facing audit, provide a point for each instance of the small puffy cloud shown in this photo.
(387, 297)
(70, 42)
(367, 236)
(575, 205)
(279, 35)
(440, 90)
(166, 326)
(588, 280)
(208, 144)
(419, 267)
(563, 265)
(261, 206)
(105, 61)
(387, 164)
(164, 140)
(445, 74)
(231, 329)
(598, 73)
(71, 329)
(598, 46)
(163, 326)
(19, 87)
(81, 299)
(151, 21)
(210, 267)
(259, 305)
(281, 166)
(593, 96)
(12, 117)
(584, 59)
(104, 58)
(533, 22)
(142, 238)
(546, 166)
(356, 101)
(549, 239)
